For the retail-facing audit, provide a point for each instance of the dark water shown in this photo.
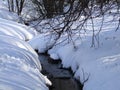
(62, 79)
(65, 84)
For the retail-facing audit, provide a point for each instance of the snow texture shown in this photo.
(19, 64)
(97, 68)
(16, 30)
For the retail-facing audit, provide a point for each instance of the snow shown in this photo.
(42, 42)
(19, 64)
(18, 60)
(8, 25)
(97, 68)
(54, 56)
(16, 30)
(5, 14)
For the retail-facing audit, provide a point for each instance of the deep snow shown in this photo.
(97, 68)
(19, 64)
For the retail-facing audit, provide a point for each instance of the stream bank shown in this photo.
(62, 79)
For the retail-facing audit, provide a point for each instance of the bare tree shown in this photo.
(16, 5)
(11, 5)
(66, 12)
(19, 6)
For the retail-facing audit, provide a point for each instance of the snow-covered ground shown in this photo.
(16, 30)
(5, 14)
(97, 68)
(19, 64)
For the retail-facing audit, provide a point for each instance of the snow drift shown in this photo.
(19, 64)
(97, 68)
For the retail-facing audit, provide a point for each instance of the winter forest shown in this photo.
(59, 44)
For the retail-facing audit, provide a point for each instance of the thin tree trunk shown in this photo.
(21, 6)
(8, 5)
(17, 6)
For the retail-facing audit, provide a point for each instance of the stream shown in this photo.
(62, 79)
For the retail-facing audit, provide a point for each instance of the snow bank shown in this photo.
(18, 59)
(16, 30)
(5, 14)
(8, 25)
(97, 68)
(42, 42)
(19, 66)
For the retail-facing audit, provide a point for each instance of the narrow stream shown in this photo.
(62, 79)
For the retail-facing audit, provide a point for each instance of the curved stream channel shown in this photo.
(62, 79)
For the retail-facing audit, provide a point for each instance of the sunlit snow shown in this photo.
(97, 68)
(19, 64)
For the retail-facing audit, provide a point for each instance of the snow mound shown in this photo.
(8, 25)
(16, 30)
(5, 14)
(97, 68)
(42, 42)
(19, 66)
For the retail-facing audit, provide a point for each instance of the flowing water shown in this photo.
(62, 79)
